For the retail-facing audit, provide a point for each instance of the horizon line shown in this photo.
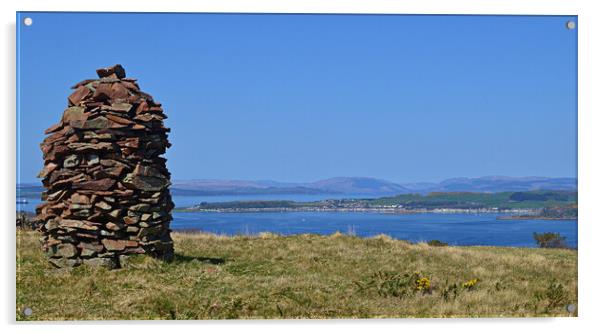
(366, 177)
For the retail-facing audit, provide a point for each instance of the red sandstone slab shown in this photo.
(100, 185)
(131, 85)
(142, 107)
(81, 199)
(118, 245)
(119, 120)
(78, 224)
(79, 94)
(119, 92)
(120, 107)
(103, 92)
(48, 168)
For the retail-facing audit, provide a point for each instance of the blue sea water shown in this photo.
(455, 229)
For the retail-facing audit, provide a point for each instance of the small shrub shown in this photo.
(554, 296)
(449, 292)
(234, 308)
(550, 240)
(166, 307)
(436, 242)
(393, 284)
(27, 221)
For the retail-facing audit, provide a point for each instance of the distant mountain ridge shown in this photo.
(358, 185)
(503, 184)
(353, 185)
(337, 185)
(374, 186)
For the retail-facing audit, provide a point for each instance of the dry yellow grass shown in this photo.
(304, 276)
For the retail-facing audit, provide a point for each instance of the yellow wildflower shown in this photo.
(423, 284)
(470, 284)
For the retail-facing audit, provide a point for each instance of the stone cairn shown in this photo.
(107, 188)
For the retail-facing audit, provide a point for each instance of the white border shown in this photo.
(590, 166)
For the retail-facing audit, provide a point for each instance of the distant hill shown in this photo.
(233, 187)
(359, 185)
(355, 185)
(337, 185)
(503, 184)
(374, 186)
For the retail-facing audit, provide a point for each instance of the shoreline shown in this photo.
(400, 211)
(505, 214)
(536, 217)
(270, 234)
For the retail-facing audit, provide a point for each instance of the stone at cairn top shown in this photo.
(116, 72)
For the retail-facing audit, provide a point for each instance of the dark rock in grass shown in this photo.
(65, 262)
(63, 250)
(124, 261)
(108, 263)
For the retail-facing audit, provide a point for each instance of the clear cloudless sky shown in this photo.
(307, 97)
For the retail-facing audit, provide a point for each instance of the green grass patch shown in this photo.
(302, 276)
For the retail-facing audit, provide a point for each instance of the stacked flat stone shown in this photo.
(107, 186)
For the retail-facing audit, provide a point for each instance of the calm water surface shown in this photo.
(455, 229)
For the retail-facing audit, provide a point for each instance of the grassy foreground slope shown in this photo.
(304, 276)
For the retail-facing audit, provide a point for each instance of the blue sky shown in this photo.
(307, 97)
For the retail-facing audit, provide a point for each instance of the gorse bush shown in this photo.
(554, 296)
(393, 284)
(550, 240)
(450, 292)
(423, 284)
(436, 242)
(470, 284)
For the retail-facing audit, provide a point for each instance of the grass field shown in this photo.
(305, 276)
